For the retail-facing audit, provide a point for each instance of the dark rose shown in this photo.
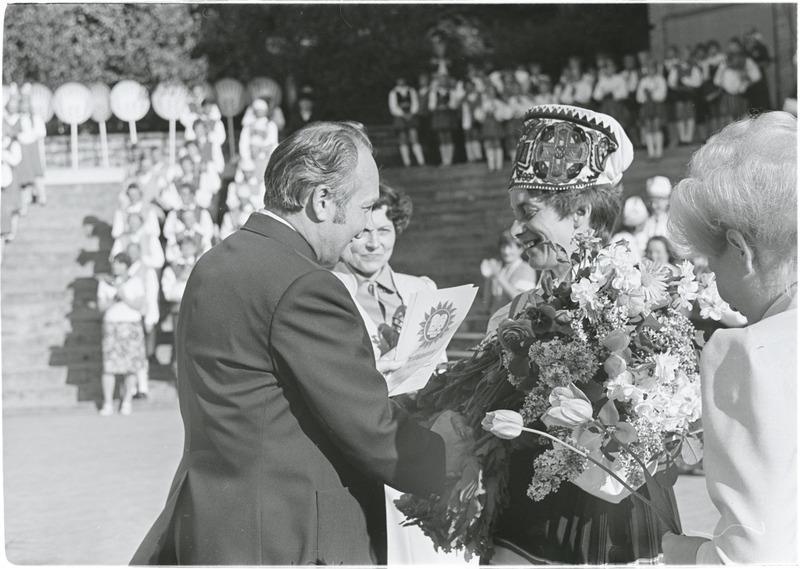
(516, 336)
(542, 319)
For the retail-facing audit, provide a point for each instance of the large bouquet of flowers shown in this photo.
(602, 368)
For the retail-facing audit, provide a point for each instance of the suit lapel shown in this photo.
(273, 229)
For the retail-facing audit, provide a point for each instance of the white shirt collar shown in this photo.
(276, 217)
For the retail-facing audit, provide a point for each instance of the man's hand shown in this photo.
(458, 440)
(387, 364)
(681, 549)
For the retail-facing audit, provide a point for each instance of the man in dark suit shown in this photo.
(290, 433)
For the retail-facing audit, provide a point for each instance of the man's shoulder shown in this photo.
(267, 263)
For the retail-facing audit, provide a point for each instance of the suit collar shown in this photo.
(274, 229)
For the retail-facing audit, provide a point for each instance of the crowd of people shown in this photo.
(22, 161)
(693, 92)
(168, 216)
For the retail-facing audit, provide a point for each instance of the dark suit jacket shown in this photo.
(290, 433)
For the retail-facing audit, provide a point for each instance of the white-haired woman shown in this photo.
(738, 207)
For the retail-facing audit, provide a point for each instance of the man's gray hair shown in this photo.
(322, 153)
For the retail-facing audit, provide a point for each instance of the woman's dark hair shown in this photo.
(123, 258)
(398, 207)
(671, 258)
(605, 201)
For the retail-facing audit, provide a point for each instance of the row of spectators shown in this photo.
(167, 217)
(695, 85)
(22, 161)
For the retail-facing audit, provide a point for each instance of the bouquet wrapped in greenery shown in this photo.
(602, 368)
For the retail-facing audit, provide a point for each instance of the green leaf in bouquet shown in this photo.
(608, 414)
(625, 433)
(699, 338)
(652, 322)
(661, 498)
(691, 450)
(668, 476)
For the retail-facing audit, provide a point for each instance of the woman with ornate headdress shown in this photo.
(566, 181)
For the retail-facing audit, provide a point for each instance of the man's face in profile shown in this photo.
(352, 214)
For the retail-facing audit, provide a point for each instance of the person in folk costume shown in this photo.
(711, 92)
(546, 95)
(190, 219)
(140, 269)
(611, 91)
(10, 202)
(671, 60)
(701, 106)
(536, 76)
(631, 73)
(735, 77)
(131, 200)
(577, 86)
(206, 111)
(652, 96)
(758, 93)
(470, 123)
(441, 102)
(634, 217)
(240, 189)
(552, 205)
(658, 189)
(304, 111)
(210, 182)
(210, 150)
(236, 216)
(208, 178)
(202, 177)
(493, 113)
(29, 130)
(258, 139)
(136, 231)
(175, 275)
(684, 80)
(508, 277)
(404, 107)
(150, 176)
(121, 298)
(426, 135)
(518, 104)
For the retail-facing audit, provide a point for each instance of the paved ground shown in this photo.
(81, 489)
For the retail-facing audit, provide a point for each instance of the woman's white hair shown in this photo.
(743, 178)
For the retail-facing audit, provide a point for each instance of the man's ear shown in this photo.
(744, 254)
(581, 217)
(320, 203)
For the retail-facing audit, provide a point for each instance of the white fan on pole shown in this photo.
(101, 112)
(72, 103)
(130, 102)
(42, 106)
(170, 100)
(231, 101)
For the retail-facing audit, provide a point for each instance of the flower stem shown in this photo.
(585, 455)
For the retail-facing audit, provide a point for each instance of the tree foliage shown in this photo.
(350, 53)
(57, 43)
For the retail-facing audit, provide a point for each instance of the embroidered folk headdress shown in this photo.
(565, 148)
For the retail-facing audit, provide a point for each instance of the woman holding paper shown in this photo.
(381, 294)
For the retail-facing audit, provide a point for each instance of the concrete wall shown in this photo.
(689, 24)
